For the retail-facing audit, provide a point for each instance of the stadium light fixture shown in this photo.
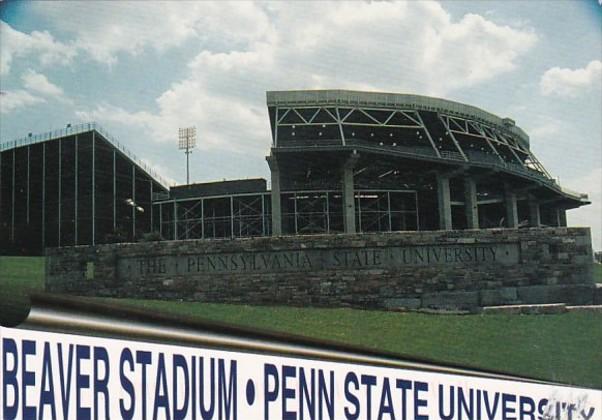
(187, 142)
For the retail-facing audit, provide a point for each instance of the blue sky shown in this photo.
(143, 69)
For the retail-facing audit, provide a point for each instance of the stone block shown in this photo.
(578, 294)
(587, 309)
(501, 310)
(451, 300)
(501, 296)
(402, 303)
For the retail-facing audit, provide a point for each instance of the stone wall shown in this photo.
(440, 269)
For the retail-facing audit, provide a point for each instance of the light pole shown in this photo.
(187, 142)
(135, 208)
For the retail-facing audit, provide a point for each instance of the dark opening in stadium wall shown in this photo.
(340, 162)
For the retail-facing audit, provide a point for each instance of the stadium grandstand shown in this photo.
(340, 162)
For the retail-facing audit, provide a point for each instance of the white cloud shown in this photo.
(106, 112)
(568, 82)
(37, 82)
(542, 128)
(106, 29)
(589, 215)
(164, 171)
(14, 44)
(224, 124)
(413, 46)
(396, 46)
(384, 43)
(14, 99)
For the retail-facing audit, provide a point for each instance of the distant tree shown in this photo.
(116, 236)
(150, 237)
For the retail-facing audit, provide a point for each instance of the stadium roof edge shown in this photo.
(363, 98)
(84, 128)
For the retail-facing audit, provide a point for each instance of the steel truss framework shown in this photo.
(420, 133)
(304, 212)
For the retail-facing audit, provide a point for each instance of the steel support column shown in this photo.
(150, 206)
(389, 211)
(60, 141)
(404, 220)
(277, 111)
(534, 212)
(444, 202)
(276, 204)
(75, 238)
(232, 218)
(262, 215)
(134, 205)
(43, 195)
(114, 190)
(175, 220)
(295, 212)
(471, 207)
(417, 212)
(349, 193)
(202, 218)
(510, 203)
(12, 202)
(28, 181)
(161, 220)
(327, 212)
(1, 218)
(93, 188)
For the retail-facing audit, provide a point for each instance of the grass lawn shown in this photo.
(564, 348)
(18, 277)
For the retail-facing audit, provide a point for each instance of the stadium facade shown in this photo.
(76, 186)
(340, 162)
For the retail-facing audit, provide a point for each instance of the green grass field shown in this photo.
(565, 348)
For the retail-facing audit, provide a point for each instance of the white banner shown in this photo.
(49, 375)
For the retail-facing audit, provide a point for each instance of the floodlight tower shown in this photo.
(186, 142)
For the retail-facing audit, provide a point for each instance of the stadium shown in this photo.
(340, 162)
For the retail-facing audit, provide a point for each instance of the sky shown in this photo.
(143, 69)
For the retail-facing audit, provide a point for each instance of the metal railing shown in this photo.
(78, 129)
(473, 156)
(582, 196)
(450, 154)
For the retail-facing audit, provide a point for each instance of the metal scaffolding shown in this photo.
(304, 212)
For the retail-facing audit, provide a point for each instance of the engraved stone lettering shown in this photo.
(319, 259)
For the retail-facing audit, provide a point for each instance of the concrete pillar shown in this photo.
(534, 212)
(444, 202)
(471, 207)
(349, 193)
(276, 204)
(561, 217)
(510, 203)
